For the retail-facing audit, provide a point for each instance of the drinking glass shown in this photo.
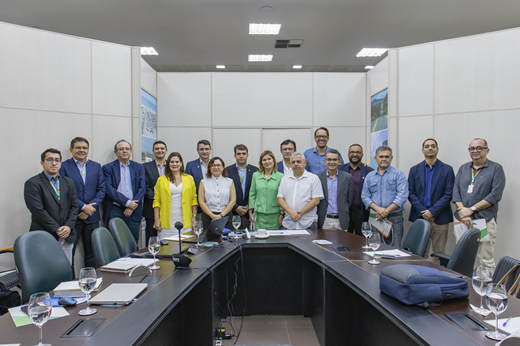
(366, 229)
(39, 310)
(496, 300)
(236, 221)
(197, 228)
(481, 279)
(374, 241)
(87, 283)
(154, 245)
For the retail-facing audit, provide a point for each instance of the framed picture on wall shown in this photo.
(378, 123)
(148, 125)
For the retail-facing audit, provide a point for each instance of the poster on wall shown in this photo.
(148, 125)
(379, 123)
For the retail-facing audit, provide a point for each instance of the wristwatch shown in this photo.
(473, 208)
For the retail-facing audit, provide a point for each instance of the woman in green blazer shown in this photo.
(264, 192)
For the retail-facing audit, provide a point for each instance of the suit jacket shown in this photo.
(112, 175)
(193, 169)
(364, 171)
(280, 166)
(442, 190)
(151, 175)
(343, 199)
(47, 212)
(90, 191)
(232, 172)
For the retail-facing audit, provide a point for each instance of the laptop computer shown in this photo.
(215, 229)
(119, 294)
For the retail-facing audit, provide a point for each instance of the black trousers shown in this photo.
(356, 220)
(150, 231)
(84, 230)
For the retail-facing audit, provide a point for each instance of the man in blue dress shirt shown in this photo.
(315, 157)
(385, 191)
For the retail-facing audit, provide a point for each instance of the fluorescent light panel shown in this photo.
(264, 29)
(371, 52)
(148, 51)
(260, 57)
(368, 67)
(297, 66)
(221, 66)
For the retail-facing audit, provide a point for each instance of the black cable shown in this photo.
(245, 295)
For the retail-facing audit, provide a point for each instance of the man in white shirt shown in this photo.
(299, 194)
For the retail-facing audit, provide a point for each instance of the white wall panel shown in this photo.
(379, 77)
(111, 79)
(42, 70)
(107, 130)
(224, 140)
(184, 140)
(148, 78)
(184, 99)
(392, 140)
(416, 80)
(478, 73)
(339, 99)
(272, 138)
(417, 129)
(262, 99)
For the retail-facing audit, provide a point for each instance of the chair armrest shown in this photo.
(7, 250)
(443, 258)
(9, 281)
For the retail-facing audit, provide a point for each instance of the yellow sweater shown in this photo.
(163, 199)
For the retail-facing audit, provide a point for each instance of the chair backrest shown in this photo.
(503, 266)
(124, 239)
(104, 246)
(418, 237)
(42, 265)
(463, 258)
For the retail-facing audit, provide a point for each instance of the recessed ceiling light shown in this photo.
(368, 67)
(148, 51)
(260, 57)
(264, 29)
(221, 66)
(371, 52)
(297, 66)
(267, 8)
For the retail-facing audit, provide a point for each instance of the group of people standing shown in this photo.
(313, 190)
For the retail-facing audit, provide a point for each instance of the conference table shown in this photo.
(286, 275)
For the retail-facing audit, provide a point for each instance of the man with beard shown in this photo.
(358, 170)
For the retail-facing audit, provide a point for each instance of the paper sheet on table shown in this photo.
(394, 252)
(10, 344)
(460, 228)
(384, 226)
(288, 232)
(512, 326)
(322, 242)
(20, 318)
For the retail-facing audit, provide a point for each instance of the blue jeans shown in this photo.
(397, 230)
(134, 226)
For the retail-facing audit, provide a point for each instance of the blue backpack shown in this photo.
(412, 284)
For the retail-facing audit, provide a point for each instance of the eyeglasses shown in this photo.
(321, 137)
(332, 160)
(217, 165)
(478, 149)
(51, 160)
(124, 149)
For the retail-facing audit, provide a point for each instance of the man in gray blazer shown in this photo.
(338, 189)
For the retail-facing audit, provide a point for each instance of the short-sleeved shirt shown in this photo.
(297, 193)
(488, 185)
(383, 190)
(217, 192)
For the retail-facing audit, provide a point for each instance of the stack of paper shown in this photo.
(125, 265)
(72, 289)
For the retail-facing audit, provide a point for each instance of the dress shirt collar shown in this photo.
(304, 175)
(121, 165)
(50, 177)
(328, 175)
(484, 165)
(315, 150)
(159, 165)
(427, 165)
(241, 170)
(78, 162)
(390, 169)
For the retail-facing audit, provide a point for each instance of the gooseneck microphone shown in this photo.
(179, 259)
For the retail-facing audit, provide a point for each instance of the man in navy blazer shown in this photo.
(90, 187)
(358, 170)
(152, 171)
(431, 188)
(199, 167)
(125, 183)
(287, 148)
(241, 173)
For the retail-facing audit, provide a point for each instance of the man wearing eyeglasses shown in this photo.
(315, 157)
(338, 190)
(479, 185)
(125, 188)
(52, 200)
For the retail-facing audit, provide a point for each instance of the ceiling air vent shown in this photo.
(288, 43)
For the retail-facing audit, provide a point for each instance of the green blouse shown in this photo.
(264, 193)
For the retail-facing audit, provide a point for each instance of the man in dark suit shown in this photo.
(199, 167)
(333, 210)
(287, 148)
(241, 173)
(52, 200)
(358, 213)
(431, 187)
(90, 186)
(125, 183)
(152, 171)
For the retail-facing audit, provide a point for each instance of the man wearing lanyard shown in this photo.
(479, 185)
(52, 200)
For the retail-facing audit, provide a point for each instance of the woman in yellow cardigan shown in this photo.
(175, 198)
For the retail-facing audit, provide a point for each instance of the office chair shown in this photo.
(463, 258)
(104, 246)
(124, 239)
(8, 278)
(41, 263)
(418, 237)
(505, 264)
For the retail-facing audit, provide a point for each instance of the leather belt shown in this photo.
(333, 216)
(397, 214)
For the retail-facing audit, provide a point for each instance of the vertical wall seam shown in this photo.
(92, 100)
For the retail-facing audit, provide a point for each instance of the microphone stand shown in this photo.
(179, 259)
(179, 226)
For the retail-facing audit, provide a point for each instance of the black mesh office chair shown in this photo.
(124, 239)
(417, 238)
(41, 263)
(505, 264)
(463, 258)
(104, 246)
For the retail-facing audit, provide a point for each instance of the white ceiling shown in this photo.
(196, 35)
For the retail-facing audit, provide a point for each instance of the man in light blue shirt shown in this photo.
(385, 191)
(315, 157)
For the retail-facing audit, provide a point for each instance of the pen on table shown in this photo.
(383, 254)
(507, 321)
